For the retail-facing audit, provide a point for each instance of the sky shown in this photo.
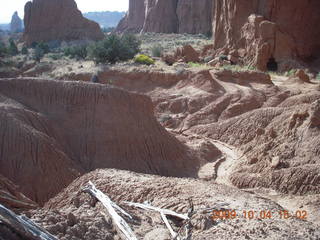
(9, 6)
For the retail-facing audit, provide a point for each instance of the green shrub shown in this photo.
(3, 49)
(44, 47)
(291, 72)
(318, 77)
(12, 50)
(38, 54)
(76, 51)
(55, 56)
(24, 50)
(156, 50)
(223, 58)
(193, 64)
(114, 48)
(143, 59)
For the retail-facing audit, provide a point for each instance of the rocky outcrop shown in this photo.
(161, 16)
(16, 23)
(265, 30)
(175, 16)
(65, 22)
(134, 19)
(195, 16)
(63, 129)
(184, 54)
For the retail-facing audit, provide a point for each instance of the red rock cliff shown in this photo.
(284, 30)
(168, 16)
(47, 20)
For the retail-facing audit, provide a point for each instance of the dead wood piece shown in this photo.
(23, 226)
(111, 206)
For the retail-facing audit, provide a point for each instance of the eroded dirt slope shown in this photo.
(53, 131)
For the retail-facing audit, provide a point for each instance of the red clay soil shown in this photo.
(53, 131)
(246, 110)
(12, 198)
(71, 214)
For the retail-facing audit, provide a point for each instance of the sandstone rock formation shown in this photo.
(176, 16)
(134, 19)
(195, 16)
(47, 20)
(161, 17)
(185, 54)
(16, 23)
(64, 129)
(270, 29)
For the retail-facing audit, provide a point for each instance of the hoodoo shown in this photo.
(65, 22)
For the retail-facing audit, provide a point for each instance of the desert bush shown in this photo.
(24, 50)
(291, 72)
(193, 64)
(38, 54)
(143, 59)
(12, 50)
(55, 56)
(223, 58)
(44, 46)
(3, 49)
(76, 51)
(114, 48)
(156, 50)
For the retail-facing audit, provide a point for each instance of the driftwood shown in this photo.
(111, 206)
(23, 226)
(163, 213)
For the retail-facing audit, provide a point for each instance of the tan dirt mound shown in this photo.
(72, 214)
(66, 128)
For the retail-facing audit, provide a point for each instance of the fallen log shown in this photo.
(165, 211)
(111, 206)
(23, 226)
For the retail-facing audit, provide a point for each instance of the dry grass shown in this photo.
(169, 42)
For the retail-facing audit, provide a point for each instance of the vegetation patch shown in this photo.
(114, 48)
(144, 59)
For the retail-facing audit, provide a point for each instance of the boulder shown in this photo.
(65, 22)
(184, 54)
(302, 76)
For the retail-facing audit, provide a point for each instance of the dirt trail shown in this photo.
(225, 168)
(220, 169)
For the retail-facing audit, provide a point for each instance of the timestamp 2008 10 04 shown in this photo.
(258, 214)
